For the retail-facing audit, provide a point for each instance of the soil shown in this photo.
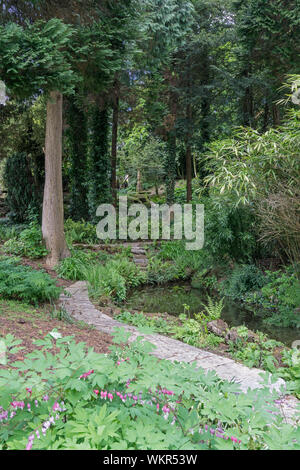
(29, 323)
(32, 324)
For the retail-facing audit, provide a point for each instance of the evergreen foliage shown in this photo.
(78, 148)
(22, 197)
(99, 162)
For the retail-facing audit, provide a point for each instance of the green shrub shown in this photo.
(144, 323)
(230, 231)
(114, 278)
(74, 267)
(107, 276)
(279, 297)
(80, 232)
(28, 243)
(243, 279)
(291, 373)
(105, 281)
(189, 331)
(128, 270)
(8, 231)
(22, 195)
(256, 174)
(185, 262)
(159, 272)
(258, 353)
(24, 283)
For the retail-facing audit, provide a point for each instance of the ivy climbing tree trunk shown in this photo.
(188, 157)
(114, 140)
(247, 101)
(78, 150)
(53, 209)
(170, 168)
(139, 186)
(188, 149)
(170, 162)
(99, 161)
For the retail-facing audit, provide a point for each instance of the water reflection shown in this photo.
(171, 299)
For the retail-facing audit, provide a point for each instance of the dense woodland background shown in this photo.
(164, 101)
(177, 101)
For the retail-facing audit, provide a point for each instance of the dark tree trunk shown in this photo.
(276, 115)
(114, 142)
(188, 155)
(78, 141)
(188, 144)
(188, 173)
(170, 164)
(266, 117)
(247, 102)
(100, 161)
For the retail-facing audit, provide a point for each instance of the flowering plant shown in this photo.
(128, 399)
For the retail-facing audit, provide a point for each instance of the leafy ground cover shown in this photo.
(78, 399)
(263, 353)
(24, 283)
(111, 276)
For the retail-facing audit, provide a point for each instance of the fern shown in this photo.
(214, 309)
(24, 283)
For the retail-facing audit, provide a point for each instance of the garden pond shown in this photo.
(178, 299)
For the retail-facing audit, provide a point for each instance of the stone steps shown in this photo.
(139, 257)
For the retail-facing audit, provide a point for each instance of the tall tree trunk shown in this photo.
(139, 186)
(170, 162)
(188, 173)
(266, 117)
(170, 168)
(188, 149)
(205, 99)
(247, 101)
(53, 208)
(100, 161)
(276, 115)
(78, 141)
(114, 142)
(188, 156)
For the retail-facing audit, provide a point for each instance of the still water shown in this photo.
(171, 299)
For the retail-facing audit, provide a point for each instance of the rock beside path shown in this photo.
(218, 327)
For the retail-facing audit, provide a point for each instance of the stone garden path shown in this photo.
(139, 256)
(77, 304)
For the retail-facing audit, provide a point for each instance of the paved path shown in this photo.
(79, 306)
(139, 256)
